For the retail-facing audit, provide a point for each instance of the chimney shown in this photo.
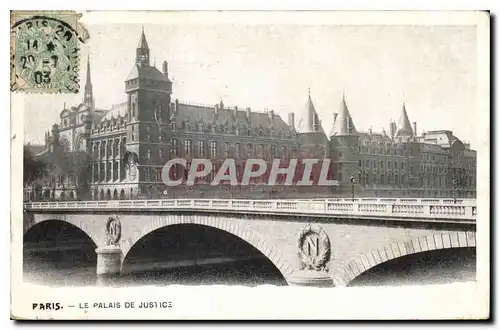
(176, 107)
(165, 68)
(291, 119)
(392, 127)
(216, 108)
(248, 113)
(415, 128)
(235, 111)
(271, 114)
(370, 131)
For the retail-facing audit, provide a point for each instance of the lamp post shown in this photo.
(352, 185)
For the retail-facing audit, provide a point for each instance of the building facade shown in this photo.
(130, 143)
(402, 163)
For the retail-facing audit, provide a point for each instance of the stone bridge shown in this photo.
(362, 233)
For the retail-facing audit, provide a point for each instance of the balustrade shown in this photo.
(431, 209)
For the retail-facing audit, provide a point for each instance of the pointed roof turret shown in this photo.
(88, 81)
(143, 44)
(309, 120)
(142, 51)
(88, 96)
(404, 127)
(343, 124)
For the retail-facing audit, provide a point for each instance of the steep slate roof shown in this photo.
(442, 138)
(194, 113)
(309, 118)
(149, 72)
(404, 127)
(117, 110)
(343, 124)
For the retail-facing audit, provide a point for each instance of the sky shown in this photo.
(271, 66)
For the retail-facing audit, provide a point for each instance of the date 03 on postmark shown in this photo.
(45, 51)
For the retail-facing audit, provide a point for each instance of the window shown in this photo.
(284, 152)
(133, 110)
(173, 126)
(147, 174)
(260, 150)
(160, 153)
(359, 164)
(188, 147)
(148, 132)
(175, 147)
(213, 149)
(237, 148)
(149, 153)
(249, 150)
(160, 134)
(226, 149)
(133, 133)
(201, 148)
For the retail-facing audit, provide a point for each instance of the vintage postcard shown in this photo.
(250, 165)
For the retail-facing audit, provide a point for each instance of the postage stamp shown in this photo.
(45, 51)
(224, 165)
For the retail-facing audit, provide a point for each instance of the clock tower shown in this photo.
(148, 102)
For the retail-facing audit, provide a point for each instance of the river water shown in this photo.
(243, 272)
(447, 267)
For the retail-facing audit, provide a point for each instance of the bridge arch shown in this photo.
(79, 224)
(448, 240)
(249, 236)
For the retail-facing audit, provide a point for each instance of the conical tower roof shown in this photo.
(343, 124)
(309, 119)
(404, 127)
(142, 41)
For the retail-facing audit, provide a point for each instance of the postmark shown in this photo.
(45, 50)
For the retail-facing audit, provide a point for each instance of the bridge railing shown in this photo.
(401, 208)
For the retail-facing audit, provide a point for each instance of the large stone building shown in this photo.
(401, 162)
(131, 142)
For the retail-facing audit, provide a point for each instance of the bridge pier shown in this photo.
(310, 278)
(108, 260)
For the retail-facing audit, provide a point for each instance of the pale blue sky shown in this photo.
(431, 68)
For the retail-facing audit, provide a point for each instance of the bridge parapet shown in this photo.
(404, 209)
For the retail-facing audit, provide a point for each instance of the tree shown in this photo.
(34, 169)
(72, 168)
